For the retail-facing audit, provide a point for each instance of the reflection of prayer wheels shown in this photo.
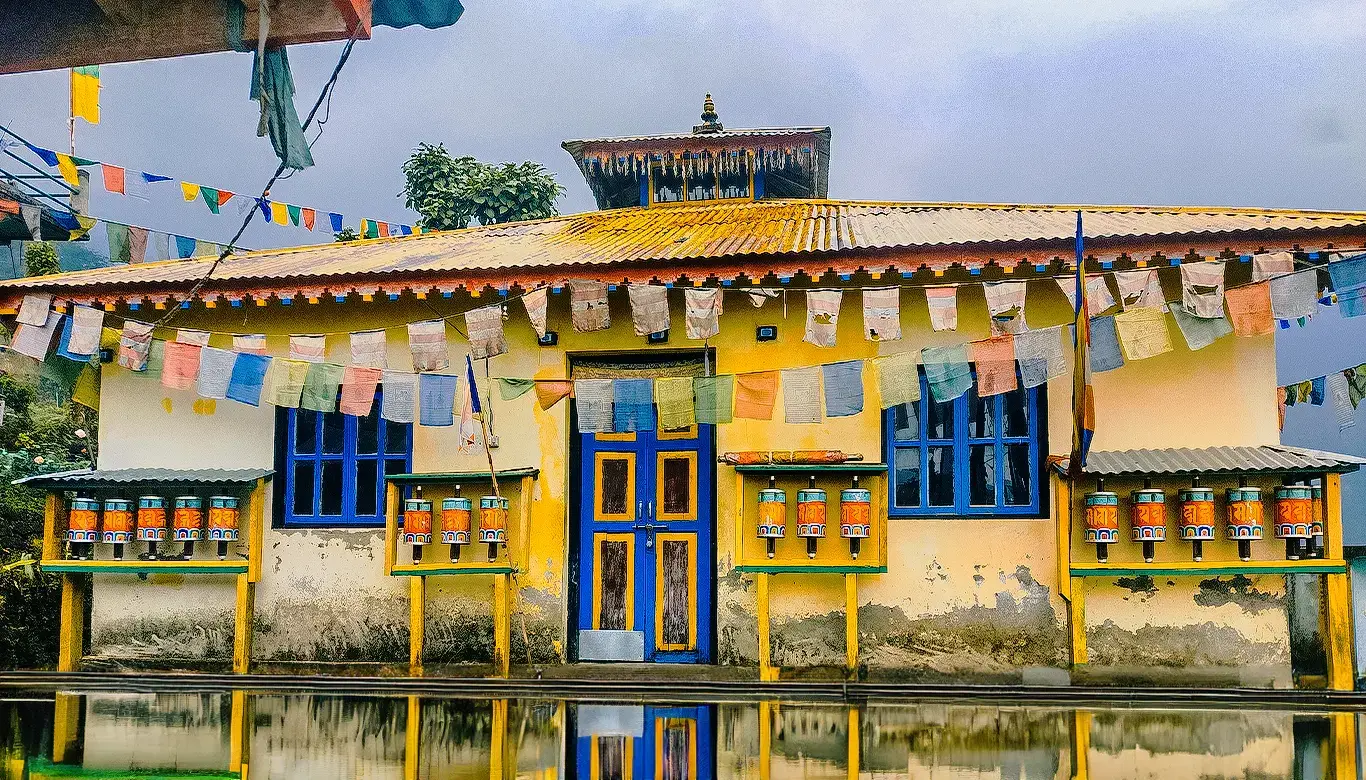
(417, 525)
(1197, 517)
(187, 522)
(856, 516)
(118, 524)
(1149, 519)
(1245, 514)
(1294, 518)
(1316, 523)
(455, 523)
(811, 516)
(493, 523)
(772, 515)
(1102, 520)
(151, 522)
(82, 526)
(223, 519)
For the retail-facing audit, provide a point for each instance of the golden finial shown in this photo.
(710, 121)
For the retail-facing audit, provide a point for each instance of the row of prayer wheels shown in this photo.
(1298, 518)
(115, 521)
(456, 516)
(856, 516)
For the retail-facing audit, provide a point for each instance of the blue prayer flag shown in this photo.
(1348, 273)
(633, 405)
(248, 377)
(264, 205)
(1316, 390)
(184, 247)
(436, 399)
(843, 388)
(1105, 352)
(153, 178)
(336, 222)
(474, 388)
(64, 343)
(48, 156)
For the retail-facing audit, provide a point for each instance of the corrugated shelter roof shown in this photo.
(700, 140)
(726, 238)
(101, 478)
(1266, 459)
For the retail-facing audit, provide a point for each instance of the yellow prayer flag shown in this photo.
(85, 93)
(86, 223)
(279, 213)
(189, 190)
(87, 390)
(67, 166)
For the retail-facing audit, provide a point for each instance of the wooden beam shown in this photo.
(412, 738)
(1342, 727)
(502, 626)
(391, 503)
(66, 723)
(765, 740)
(851, 624)
(498, 739)
(239, 740)
(241, 638)
(417, 623)
(256, 530)
(1076, 621)
(1338, 628)
(71, 632)
(1062, 517)
(1081, 744)
(1332, 516)
(54, 523)
(855, 742)
(767, 672)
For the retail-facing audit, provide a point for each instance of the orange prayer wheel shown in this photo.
(151, 522)
(1149, 519)
(187, 522)
(1197, 517)
(1294, 518)
(455, 523)
(1316, 523)
(223, 520)
(82, 526)
(1245, 517)
(772, 515)
(856, 516)
(118, 524)
(811, 516)
(1102, 520)
(417, 525)
(493, 523)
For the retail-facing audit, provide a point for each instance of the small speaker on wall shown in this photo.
(766, 333)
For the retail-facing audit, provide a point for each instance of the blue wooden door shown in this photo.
(673, 743)
(645, 546)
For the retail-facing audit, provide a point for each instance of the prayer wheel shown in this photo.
(118, 524)
(493, 523)
(455, 522)
(1102, 520)
(417, 525)
(1294, 518)
(82, 526)
(1245, 513)
(772, 515)
(223, 520)
(151, 523)
(1149, 518)
(811, 516)
(1316, 524)
(188, 522)
(856, 516)
(1197, 517)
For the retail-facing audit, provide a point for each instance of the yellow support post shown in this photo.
(54, 522)
(417, 622)
(238, 739)
(1337, 593)
(767, 672)
(256, 530)
(523, 526)
(241, 638)
(1076, 620)
(1343, 730)
(1062, 511)
(498, 739)
(1332, 516)
(854, 742)
(71, 632)
(391, 494)
(1081, 744)
(66, 721)
(765, 740)
(502, 627)
(412, 733)
(851, 623)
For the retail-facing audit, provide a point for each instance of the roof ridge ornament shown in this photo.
(710, 121)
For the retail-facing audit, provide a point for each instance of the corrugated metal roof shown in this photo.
(1268, 459)
(783, 233)
(95, 478)
(729, 134)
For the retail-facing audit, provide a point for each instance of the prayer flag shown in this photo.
(67, 167)
(35, 340)
(1269, 265)
(248, 378)
(215, 371)
(1342, 404)
(674, 399)
(309, 348)
(85, 93)
(759, 295)
(485, 328)
(1006, 305)
(47, 155)
(469, 434)
(588, 306)
(369, 348)
(295, 213)
(35, 309)
(1083, 394)
(285, 382)
(1098, 296)
(134, 344)
(64, 343)
(87, 389)
(87, 323)
(400, 397)
(801, 395)
(180, 366)
(551, 391)
(199, 338)
(843, 385)
(358, 390)
(593, 405)
(427, 341)
(189, 191)
(995, 359)
(474, 389)
(84, 225)
(1249, 308)
(943, 303)
(1106, 354)
(309, 217)
(1202, 289)
(279, 213)
(633, 405)
(383, 229)
(210, 196)
(249, 343)
(161, 243)
(898, 379)
(536, 302)
(713, 396)
(1069, 289)
(1140, 289)
(33, 219)
(755, 395)
(1143, 333)
(1040, 355)
(822, 317)
(113, 178)
(321, 384)
(510, 389)
(1317, 390)
(702, 312)
(882, 313)
(947, 371)
(223, 197)
(184, 246)
(137, 244)
(118, 243)
(1295, 295)
(336, 220)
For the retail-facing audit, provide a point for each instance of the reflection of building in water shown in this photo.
(634, 742)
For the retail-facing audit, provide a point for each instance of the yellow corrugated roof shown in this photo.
(777, 236)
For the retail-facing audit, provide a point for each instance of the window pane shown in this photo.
(1016, 412)
(612, 758)
(332, 487)
(702, 186)
(677, 584)
(612, 568)
(906, 422)
(396, 437)
(939, 420)
(981, 415)
(668, 185)
(982, 475)
(334, 430)
(907, 477)
(678, 482)
(367, 432)
(614, 478)
(395, 467)
(735, 185)
(305, 431)
(940, 477)
(1017, 475)
(367, 487)
(303, 487)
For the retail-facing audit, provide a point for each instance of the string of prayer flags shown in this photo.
(536, 303)
(943, 303)
(427, 341)
(1269, 265)
(1202, 289)
(321, 384)
(843, 383)
(995, 359)
(1006, 305)
(551, 392)
(199, 338)
(512, 389)
(1198, 331)
(285, 382)
(35, 340)
(702, 312)
(1140, 289)
(801, 395)
(358, 390)
(134, 344)
(674, 399)
(1069, 289)
(87, 323)
(485, 328)
(822, 317)
(1105, 351)
(755, 395)
(1295, 295)
(593, 405)
(311, 349)
(1143, 333)
(758, 296)
(947, 371)
(35, 309)
(649, 308)
(400, 397)
(369, 349)
(1098, 296)
(249, 343)
(180, 368)
(436, 399)
(215, 371)
(588, 309)
(882, 313)
(1040, 355)
(633, 405)
(1249, 309)
(248, 378)
(898, 379)
(1342, 404)
(713, 396)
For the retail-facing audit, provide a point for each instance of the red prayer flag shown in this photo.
(9, 206)
(113, 178)
(309, 216)
(384, 230)
(223, 197)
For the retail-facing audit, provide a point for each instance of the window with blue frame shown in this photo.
(969, 456)
(332, 465)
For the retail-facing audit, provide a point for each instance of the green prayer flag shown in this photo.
(674, 397)
(509, 389)
(321, 386)
(120, 250)
(210, 196)
(713, 396)
(294, 212)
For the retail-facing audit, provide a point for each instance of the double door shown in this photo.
(647, 743)
(645, 546)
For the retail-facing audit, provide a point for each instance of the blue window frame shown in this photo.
(333, 465)
(967, 457)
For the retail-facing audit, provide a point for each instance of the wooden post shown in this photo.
(66, 721)
(1076, 620)
(767, 672)
(523, 558)
(1332, 516)
(71, 632)
(412, 734)
(502, 627)
(241, 639)
(256, 530)
(1081, 744)
(854, 742)
(391, 505)
(498, 739)
(1338, 620)
(1343, 730)
(54, 524)
(1062, 511)
(765, 740)
(239, 739)
(417, 622)
(851, 624)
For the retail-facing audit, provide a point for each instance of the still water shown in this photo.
(240, 735)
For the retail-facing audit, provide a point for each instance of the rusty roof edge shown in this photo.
(1216, 460)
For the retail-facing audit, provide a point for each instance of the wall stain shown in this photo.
(1238, 589)
(208, 636)
(1202, 644)
(1142, 586)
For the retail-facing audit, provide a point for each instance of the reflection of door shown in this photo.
(668, 743)
(645, 546)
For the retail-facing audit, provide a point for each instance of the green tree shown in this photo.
(40, 259)
(346, 234)
(450, 191)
